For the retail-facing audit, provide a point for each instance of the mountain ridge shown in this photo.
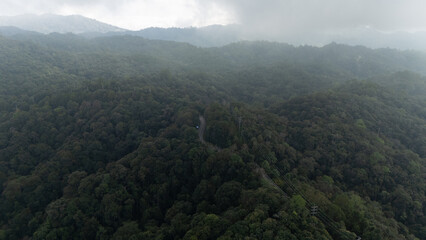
(49, 23)
(213, 35)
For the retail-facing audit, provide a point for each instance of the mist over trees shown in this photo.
(256, 29)
(99, 140)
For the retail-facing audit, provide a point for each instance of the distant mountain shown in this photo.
(357, 36)
(11, 31)
(215, 35)
(376, 39)
(49, 23)
(210, 36)
(219, 35)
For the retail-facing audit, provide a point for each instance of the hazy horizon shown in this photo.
(375, 24)
(282, 16)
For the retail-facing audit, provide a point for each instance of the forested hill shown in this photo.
(358, 61)
(48, 23)
(99, 140)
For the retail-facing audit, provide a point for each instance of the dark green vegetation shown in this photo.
(98, 140)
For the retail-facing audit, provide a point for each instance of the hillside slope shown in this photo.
(98, 140)
(49, 23)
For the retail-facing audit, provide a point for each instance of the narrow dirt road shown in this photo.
(265, 176)
(202, 129)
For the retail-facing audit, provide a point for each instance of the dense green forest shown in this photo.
(99, 139)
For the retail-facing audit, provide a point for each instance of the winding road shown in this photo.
(202, 129)
(271, 182)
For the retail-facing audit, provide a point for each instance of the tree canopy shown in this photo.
(99, 140)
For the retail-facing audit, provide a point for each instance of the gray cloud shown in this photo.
(132, 14)
(294, 15)
(17, 7)
(272, 17)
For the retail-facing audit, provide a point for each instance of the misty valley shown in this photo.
(116, 136)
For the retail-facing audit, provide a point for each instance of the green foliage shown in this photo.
(98, 140)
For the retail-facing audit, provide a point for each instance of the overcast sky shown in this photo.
(285, 15)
